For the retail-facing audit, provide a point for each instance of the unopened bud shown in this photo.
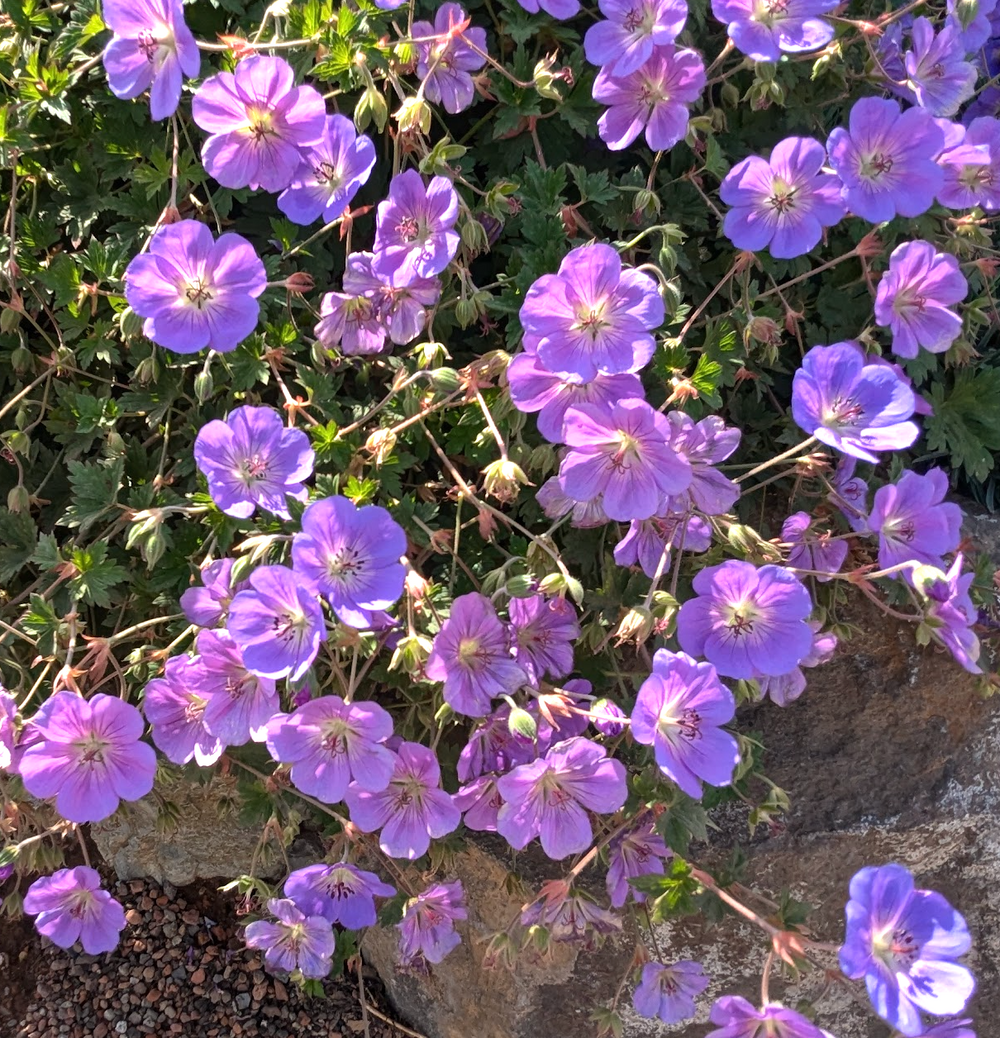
(411, 654)
(523, 585)
(10, 318)
(747, 541)
(465, 312)
(147, 370)
(447, 380)
(300, 282)
(522, 725)
(380, 444)
(203, 386)
(18, 499)
(503, 480)
(922, 577)
(371, 108)
(474, 236)
(21, 359)
(416, 585)
(545, 78)
(131, 323)
(635, 626)
(413, 114)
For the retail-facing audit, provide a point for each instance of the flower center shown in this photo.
(627, 453)
(236, 688)
(253, 469)
(155, 42)
(194, 709)
(469, 653)
(343, 563)
(197, 292)
(92, 749)
(842, 413)
(908, 301)
(261, 123)
(898, 948)
(326, 173)
(290, 625)
(876, 164)
(900, 530)
(335, 736)
(686, 725)
(408, 229)
(592, 322)
(977, 176)
(81, 902)
(770, 12)
(639, 21)
(742, 617)
(782, 197)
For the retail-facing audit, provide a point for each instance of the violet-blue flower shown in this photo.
(667, 993)
(238, 703)
(571, 918)
(329, 743)
(447, 54)
(766, 29)
(329, 173)
(176, 713)
(351, 322)
(548, 797)
(782, 204)
(295, 941)
(679, 711)
(415, 234)
(400, 309)
(655, 98)
(886, 159)
(631, 31)
(194, 291)
(608, 718)
(915, 297)
(592, 316)
(207, 605)
(471, 655)
(624, 454)
(71, 906)
(850, 404)
(639, 851)
(971, 168)
(534, 388)
(746, 619)
(560, 9)
(979, 29)
(904, 942)
(8, 714)
(259, 123)
(411, 809)
(704, 444)
(648, 542)
(427, 929)
(810, 551)
(739, 1019)
(543, 632)
(936, 69)
(87, 754)
(277, 623)
(352, 556)
(949, 613)
(252, 460)
(152, 49)
(849, 494)
(480, 803)
(340, 893)
(913, 521)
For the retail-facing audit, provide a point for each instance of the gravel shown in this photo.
(180, 969)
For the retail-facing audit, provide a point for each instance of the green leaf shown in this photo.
(18, 537)
(96, 574)
(966, 420)
(95, 491)
(682, 822)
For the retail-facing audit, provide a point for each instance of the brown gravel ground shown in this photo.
(181, 969)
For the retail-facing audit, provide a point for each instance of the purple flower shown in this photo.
(854, 406)
(411, 809)
(329, 743)
(648, 541)
(548, 797)
(427, 929)
(444, 62)
(251, 460)
(936, 70)
(534, 388)
(623, 453)
(679, 711)
(904, 941)
(783, 689)
(668, 992)
(951, 1029)
(817, 553)
(177, 715)
(783, 203)
(329, 174)
(471, 655)
(543, 633)
(8, 712)
(194, 291)
(238, 703)
(914, 522)
(555, 504)
(71, 907)
(479, 803)
(636, 852)
(739, 1019)
(402, 310)
(704, 444)
(766, 29)
(746, 619)
(632, 32)
(849, 494)
(914, 297)
(351, 322)
(351, 555)
(560, 9)
(592, 316)
(259, 123)
(979, 30)
(152, 49)
(277, 623)
(886, 159)
(340, 893)
(608, 718)
(655, 98)
(972, 167)
(415, 234)
(207, 605)
(949, 614)
(87, 755)
(295, 942)
(571, 918)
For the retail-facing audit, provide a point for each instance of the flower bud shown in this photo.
(416, 585)
(636, 625)
(747, 541)
(413, 114)
(411, 654)
(371, 108)
(147, 370)
(465, 312)
(474, 236)
(300, 282)
(203, 386)
(608, 718)
(380, 444)
(9, 319)
(446, 380)
(21, 359)
(503, 480)
(523, 585)
(522, 725)
(131, 323)
(18, 499)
